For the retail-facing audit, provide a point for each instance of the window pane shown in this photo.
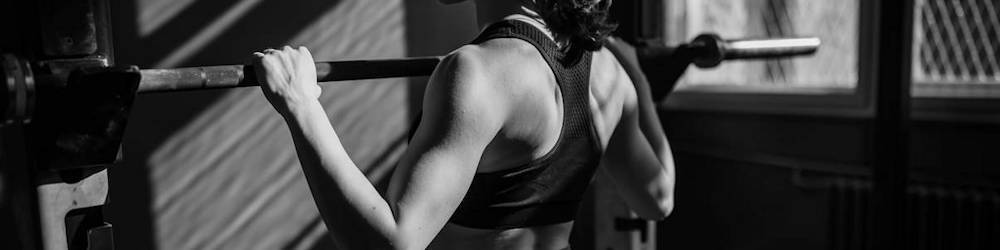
(956, 42)
(834, 22)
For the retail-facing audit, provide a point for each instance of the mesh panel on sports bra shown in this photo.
(547, 190)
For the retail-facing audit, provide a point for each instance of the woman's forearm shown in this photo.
(432, 177)
(349, 204)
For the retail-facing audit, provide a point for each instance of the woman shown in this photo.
(513, 128)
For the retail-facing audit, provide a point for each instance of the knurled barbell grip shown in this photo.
(232, 76)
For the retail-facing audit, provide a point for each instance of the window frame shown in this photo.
(930, 102)
(955, 101)
(825, 101)
(944, 88)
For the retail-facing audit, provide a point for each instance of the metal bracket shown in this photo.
(82, 124)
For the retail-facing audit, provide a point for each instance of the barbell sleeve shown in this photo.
(232, 76)
(709, 50)
(770, 48)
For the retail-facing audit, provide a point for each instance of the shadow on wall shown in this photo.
(215, 169)
(194, 33)
(431, 29)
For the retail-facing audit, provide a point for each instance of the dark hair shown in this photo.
(583, 23)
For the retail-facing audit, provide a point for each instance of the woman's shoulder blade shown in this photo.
(501, 61)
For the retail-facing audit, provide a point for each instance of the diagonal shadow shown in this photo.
(270, 24)
(157, 117)
(178, 29)
(300, 237)
(383, 160)
(430, 30)
(324, 243)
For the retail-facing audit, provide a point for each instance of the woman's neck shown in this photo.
(491, 11)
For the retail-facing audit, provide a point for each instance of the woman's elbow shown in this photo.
(658, 209)
(664, 197)
(657, 214)
(664, 202)
(666, 206)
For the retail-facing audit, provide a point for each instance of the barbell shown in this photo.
(78, 111)
(708, 49)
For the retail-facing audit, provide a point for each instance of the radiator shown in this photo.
(937, 216)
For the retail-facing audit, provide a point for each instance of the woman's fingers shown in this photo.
(288, 76)
(286, 63)
(310, 67)
(304, 51)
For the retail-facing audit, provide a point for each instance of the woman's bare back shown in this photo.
(519, 74)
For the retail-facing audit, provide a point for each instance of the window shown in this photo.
(834, 22)
(832, 81)
(955, 57)
(956, 48)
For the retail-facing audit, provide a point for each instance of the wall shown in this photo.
(216, 169)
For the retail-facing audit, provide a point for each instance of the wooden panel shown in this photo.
(219, 165)
(723, 204)
(804, 138)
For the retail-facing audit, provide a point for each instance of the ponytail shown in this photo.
(583, 23)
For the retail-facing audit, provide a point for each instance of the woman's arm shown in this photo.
(432, 177)
(649, 120)
(639, 160)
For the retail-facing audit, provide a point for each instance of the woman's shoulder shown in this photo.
(605, 67)
(608, 76)
(505, 57)
(506, 65)
(489, 72)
